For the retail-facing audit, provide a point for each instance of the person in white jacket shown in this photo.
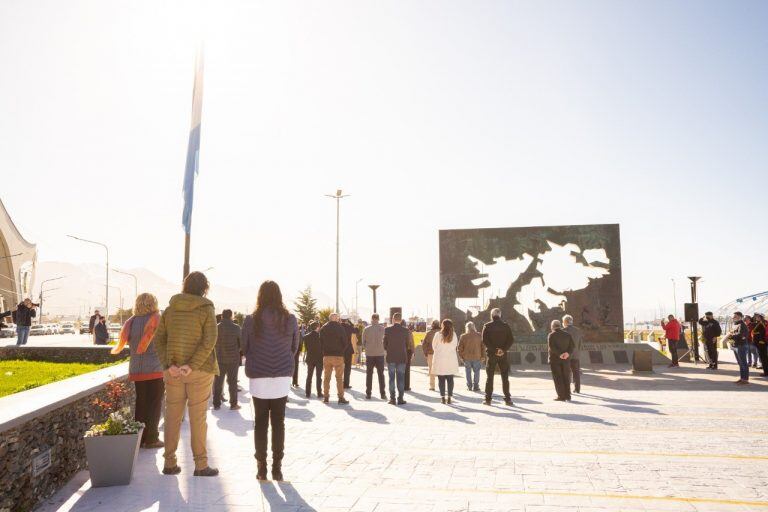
(445, 363)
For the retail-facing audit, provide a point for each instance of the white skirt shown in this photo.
(268, 388)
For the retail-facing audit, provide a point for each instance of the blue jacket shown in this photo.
(270, 352)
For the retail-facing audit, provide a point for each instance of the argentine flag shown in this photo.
(193, 148)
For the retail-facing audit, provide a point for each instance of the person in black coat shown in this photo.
(313, 358)
(22, 317)
(759, 339)
(349, 351)
(560, 345)
(396, 345)
(101, 333)
(710, 330)
(498, 339)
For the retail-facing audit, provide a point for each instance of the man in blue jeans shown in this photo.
(396, 345)
(739, 338)
(22, 317)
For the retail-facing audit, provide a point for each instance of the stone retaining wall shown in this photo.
(58, 431)
(94, 354)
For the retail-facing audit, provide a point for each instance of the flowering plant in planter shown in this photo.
(119, 421)
(112, 447)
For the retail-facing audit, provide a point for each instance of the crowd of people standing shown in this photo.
(183, 357)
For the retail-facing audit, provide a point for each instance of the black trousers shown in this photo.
(576, 373)
(673, 350)
(711, 351)
(317, 368)
(269, 412)
(376, 362)
(762, 351)
(407, 379)
(347, 366)
(296, 368)
(149, 406)
(490, 369)
(441, 382)
(230, 372)
(561, 375)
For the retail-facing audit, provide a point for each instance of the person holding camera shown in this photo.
(738, 340)
(22, 317)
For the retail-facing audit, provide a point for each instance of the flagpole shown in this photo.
(186, 255)
(193, 157)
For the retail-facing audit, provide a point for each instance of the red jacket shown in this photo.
(672, 330)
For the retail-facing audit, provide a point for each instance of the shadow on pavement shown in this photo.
(284, 496)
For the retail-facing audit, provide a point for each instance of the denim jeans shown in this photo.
(741, 357)
(399, 370)
(442, 380)
(473, 366)
(752, 355)
(22, 335)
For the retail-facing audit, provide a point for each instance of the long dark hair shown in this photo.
(269, 297)
(447, 331)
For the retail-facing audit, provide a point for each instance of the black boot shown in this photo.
(261, 473)
(277, 473)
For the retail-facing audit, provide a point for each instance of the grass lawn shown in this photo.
(16, 375)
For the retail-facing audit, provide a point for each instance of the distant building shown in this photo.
(17, 273)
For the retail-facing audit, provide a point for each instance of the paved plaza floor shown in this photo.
(678, 440)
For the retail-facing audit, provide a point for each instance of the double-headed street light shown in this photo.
(338, 197)
(106, 288)
(374, 287)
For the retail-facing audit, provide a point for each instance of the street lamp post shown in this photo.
(106, 287)
(338, 197)
(120, 294)
(674, 296)
(694, 323)
(374, 287)
(135, 282)
(42, 284)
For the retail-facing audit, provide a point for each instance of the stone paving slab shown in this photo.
(680, 440)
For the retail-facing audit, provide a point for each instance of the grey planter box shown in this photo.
(111, 458)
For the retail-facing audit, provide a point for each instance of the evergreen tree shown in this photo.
(305, 306)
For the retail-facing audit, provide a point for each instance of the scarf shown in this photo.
(146, 336)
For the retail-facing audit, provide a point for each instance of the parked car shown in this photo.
(84, 328)
(67, 328)
(37, 330)
(8, 332)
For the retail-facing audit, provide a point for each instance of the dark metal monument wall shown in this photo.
(534, 275)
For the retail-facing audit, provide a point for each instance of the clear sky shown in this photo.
(431, 114)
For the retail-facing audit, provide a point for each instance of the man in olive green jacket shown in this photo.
(185, 340)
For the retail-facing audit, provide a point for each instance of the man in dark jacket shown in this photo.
(313, 358)
(349, 351)
(334, 341)
(429, 352)
(739, 339)
(497, 338)
(95, 317)
(228, 354)
(396, 344)
(22, 317)
(560, 345)
(409, 350)
(710, 330)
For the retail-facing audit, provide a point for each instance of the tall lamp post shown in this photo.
(106, 286)
(120, 294)
(338, 197)
(694, 322)
(40, 320)
(135, 282)
(374, 287)
(357, 309)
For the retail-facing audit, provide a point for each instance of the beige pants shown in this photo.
(335, 363)
(192, 391)
(431, 376)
